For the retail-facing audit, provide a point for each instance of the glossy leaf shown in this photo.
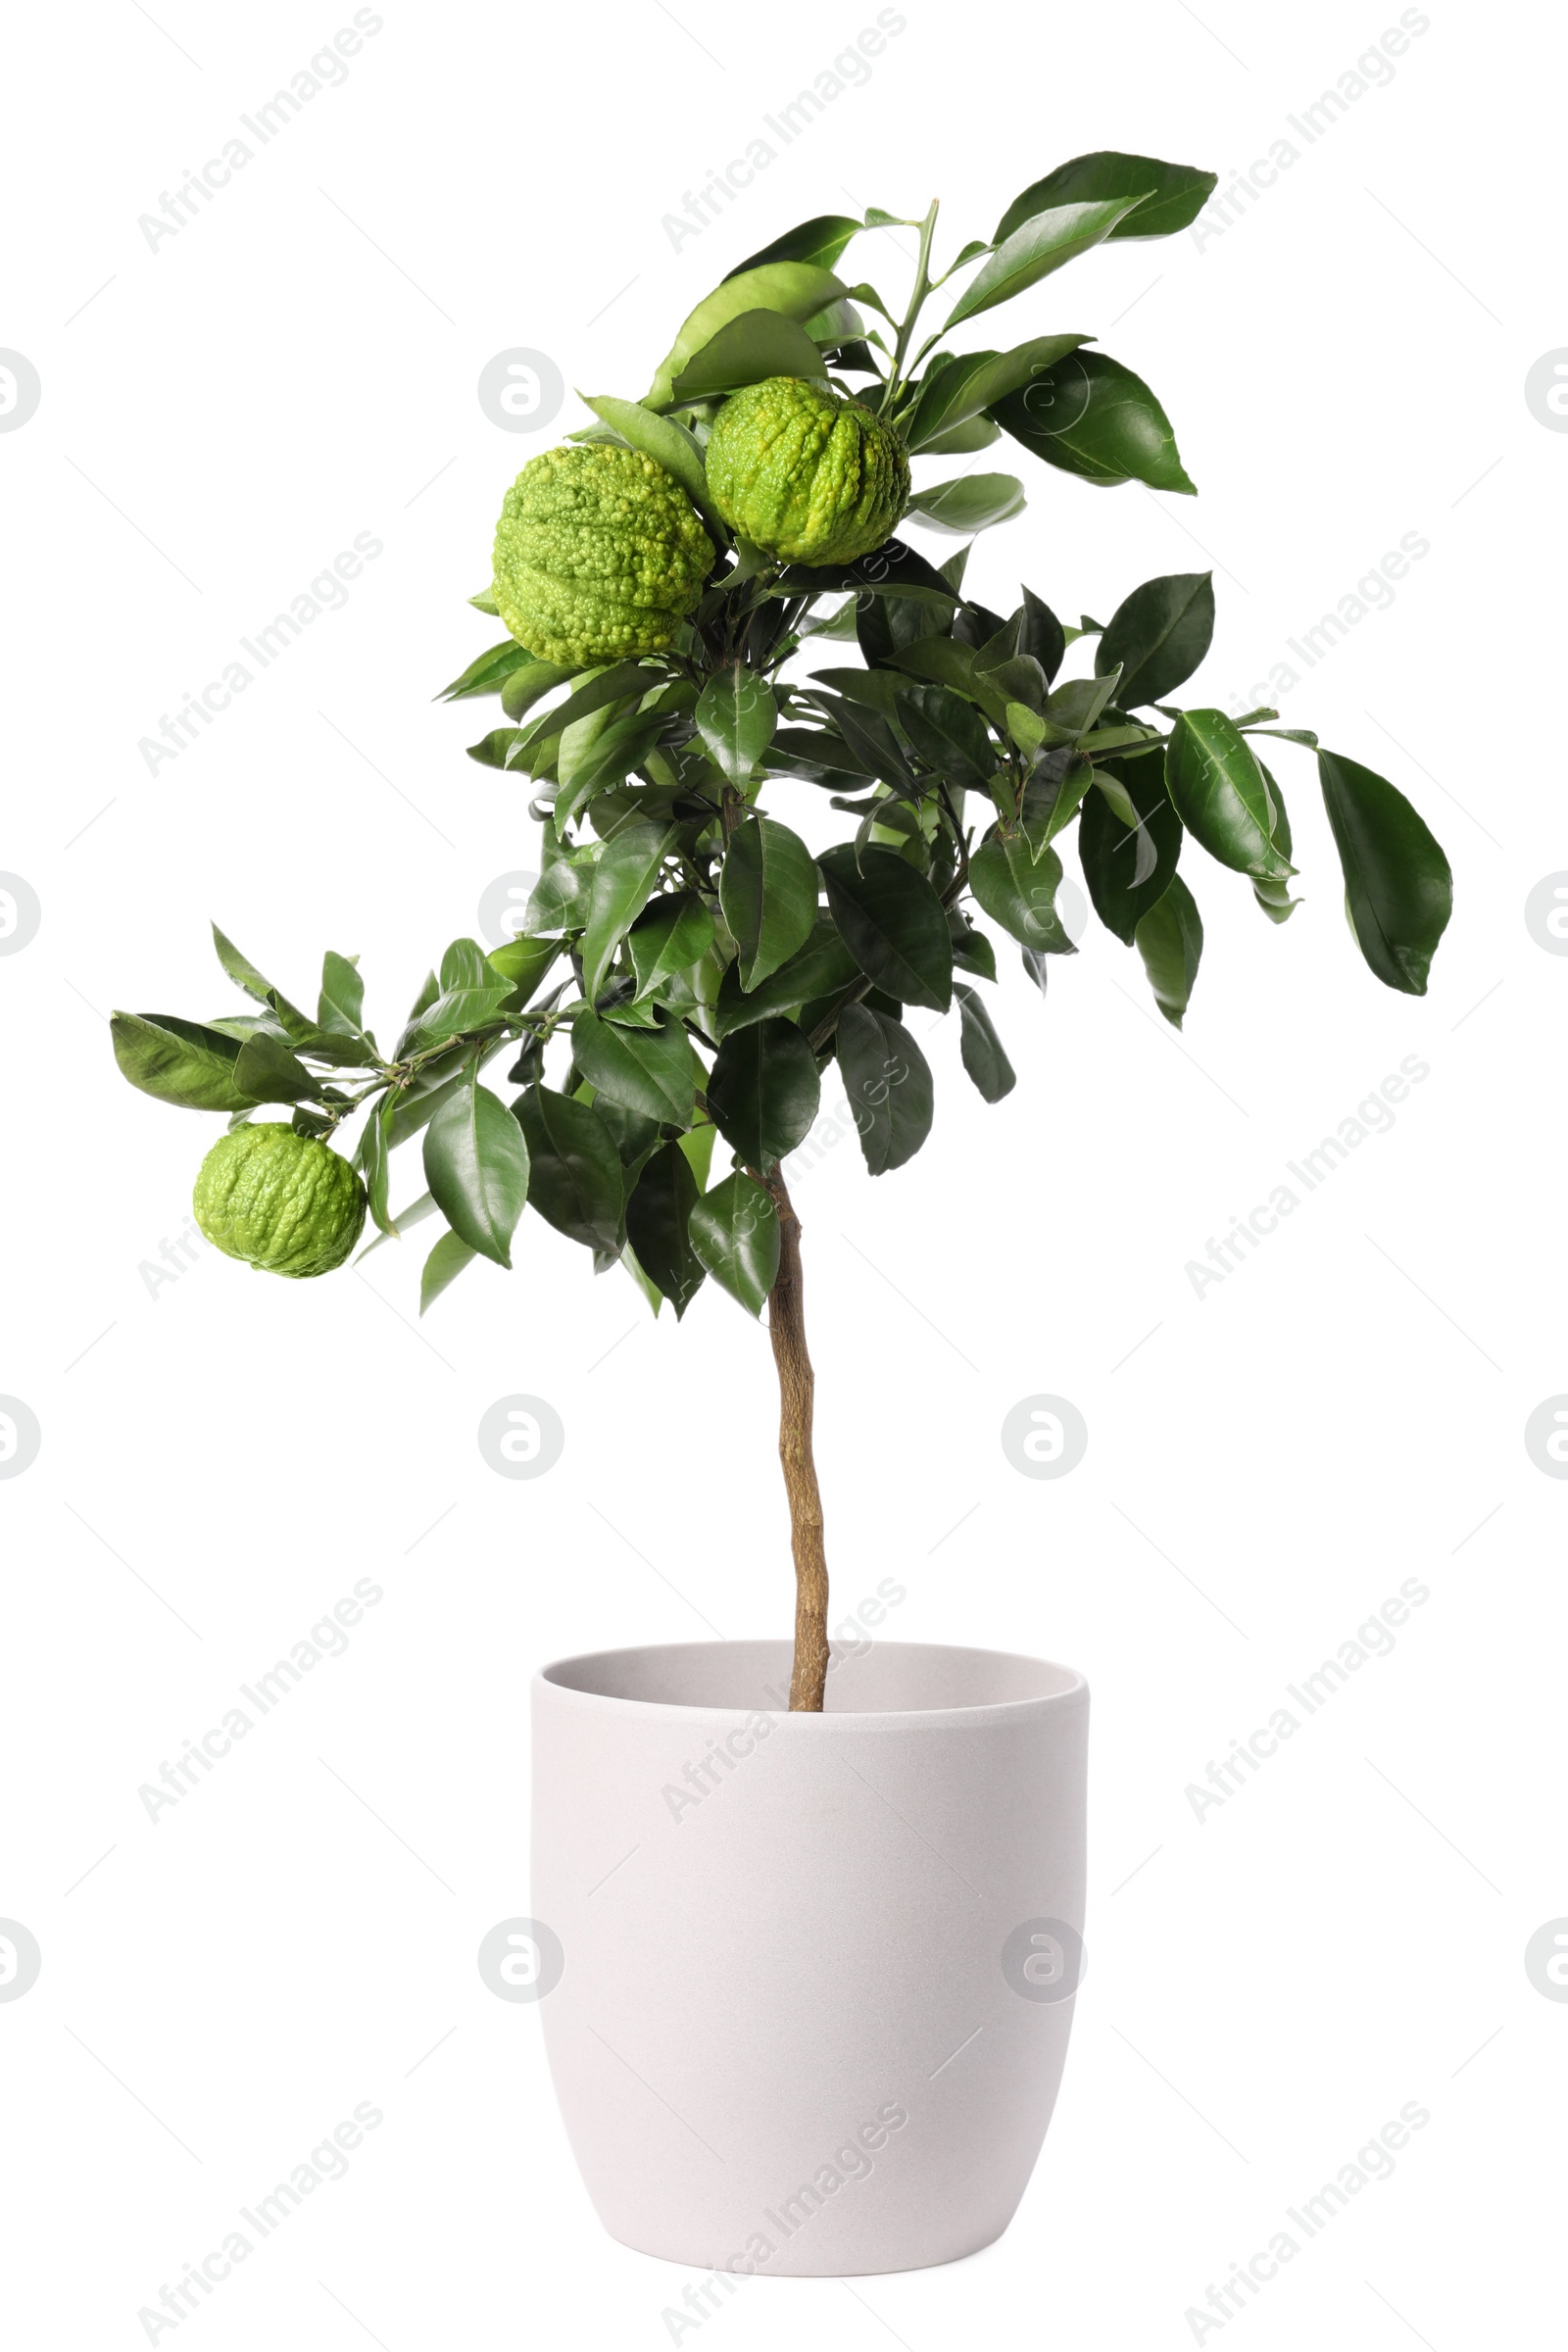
(1035, 248)
(177, 1061)
(651, 1072)
(1019, 892)
(1274, 895)
(822, 969)
(1170, 940)
(820, 241)
(668, 443)
(1128, 868)
(1092, 417)
(734, 1231)
(529, 684)
(560, 897)
(957, 389)
(524, 963)
(736, 715)
(887, 1081)
(476, 1166)
(265, 1071)
(982, 1049)
(763, 1091)
(795, 289)
(1217, 786)
(658, 1218)
(891, 569)
(972, 501)
(949, 735)
(767, 890)
(972, 951)
(1160, 634)
(488, 671)
(748, 350)
(576, 1180)
(341, 1004)
(624, 880)
(373, 1160)
(893, 923)
(442, 1267)
(1399, 890)
(1172, 195)
(669, 937)
(606, 761)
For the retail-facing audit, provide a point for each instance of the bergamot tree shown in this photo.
(675, 582)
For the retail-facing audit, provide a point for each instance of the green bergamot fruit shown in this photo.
(283, 1202)
(804, 474)
(599, 556)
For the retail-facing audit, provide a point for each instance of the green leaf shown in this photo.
(975, 432)
(1171, 195)
(529, 684)
(1128, 868)
(341, 1005)
(819, 241)
(973, 502)
(396, 1227)
(948, 662)
(1051, 803)
(948, 734)
(956, 390)
(1093, 418)
(736, 715)
(624, 880)
(888, 1082)
(1019, 892)
(764, 1092)
(1160, 634)
(559, 900)
(1219, 794)
(748, 350)
(734, 1231)
(244, 974)
(476, 1164)
(576, 1180)
(177, 1061)
(891, 569)
(495, 750)
(795, 289)
(265, 1071)
(668, 443)
(1399, 890)
(648, 1070)
(442, 1267)
(768, 891)
(597, 689)
(606, 761)
(1274, 896)
(1039, 245)
(1170, 940)
(669, 937)
(523, 964)
(981, 1047)
(488, 671)
(466, 966)
(658, 1216)
(374, 1162)
(457, 1011)
(822, 968)
(893, 923)
(972, 951)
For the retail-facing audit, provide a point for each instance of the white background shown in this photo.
(222, 1456)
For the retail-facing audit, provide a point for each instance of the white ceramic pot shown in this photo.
(817, 1971)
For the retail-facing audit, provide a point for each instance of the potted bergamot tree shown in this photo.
(813, 2016)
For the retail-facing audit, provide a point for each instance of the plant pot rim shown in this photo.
(574, 1681)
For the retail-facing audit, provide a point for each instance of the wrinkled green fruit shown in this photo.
(283, 1202)
(599, 556)
(804, 474)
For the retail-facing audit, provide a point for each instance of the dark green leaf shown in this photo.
(736, 715)
(178, 1062)
(374, 1163)
(1274, 895)
(893, 923)
(734, 1231)
(488, 671)
(442, 1267)
(477, 1165)
(972, 951)
(342, 1000)
(949, 735)
(957, 387)
(891, 569)
(1039, 245)
(1127, 870)
(975, 432)
(1170, 940)
(648, 1070)
(1160, 634)
(265, 1071)
(885, 624)
(983, 1055)
(973, 502)
(763, 1091)
(823, 966)
(1173, 194)
(1019, 892)
(795, 289)
(575, 1179)
(529, 684)
(523, 963)
(669, 937)
(820, 241)
(458, 1011)
(1399, 890)
(624, 880)
(1093, 418)
(767, 890)
(619, 747)
(561, 896)
(658, 1216)
(1214, 780)
(495, 750)
(888, 1083)
(748, 350)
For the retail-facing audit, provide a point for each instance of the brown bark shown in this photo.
(796, 1383)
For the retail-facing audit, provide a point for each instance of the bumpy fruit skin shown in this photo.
(804, 474)
(599, 556)
(283, 1202)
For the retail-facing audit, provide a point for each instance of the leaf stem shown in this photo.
(923, 287)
